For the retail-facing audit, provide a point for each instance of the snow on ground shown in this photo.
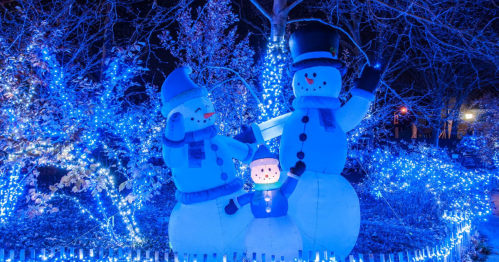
(490, 229)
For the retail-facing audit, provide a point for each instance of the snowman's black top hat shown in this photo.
(315, 45)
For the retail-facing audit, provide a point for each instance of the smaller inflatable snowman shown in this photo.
(271, 232)
(203, 172)
(324, 206)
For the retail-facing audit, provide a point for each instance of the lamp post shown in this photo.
(402, 111)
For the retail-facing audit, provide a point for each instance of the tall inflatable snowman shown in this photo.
(324, 205)
(203, 172)
(271, 232)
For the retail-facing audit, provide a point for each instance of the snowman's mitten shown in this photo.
(175, 130)
(246, 135)
(368, 80)
(298, 169)
(231, 208)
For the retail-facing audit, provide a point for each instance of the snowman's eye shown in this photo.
(192, 119)
(197, 110)
(270, 169)
(306, 75)
(324, 83)
(262, 170)
(298, 83)
(315, 74)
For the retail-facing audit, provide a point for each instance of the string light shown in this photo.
(101, 117)
(432, 171)
(10, 190)
(273, 102)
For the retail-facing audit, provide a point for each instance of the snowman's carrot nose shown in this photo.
(207, 115)
(309, 81)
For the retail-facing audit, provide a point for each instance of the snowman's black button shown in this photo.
(303, 137)
(220, 161)
(300, 155)
(224, 176)
(214, 147)
(305, 119)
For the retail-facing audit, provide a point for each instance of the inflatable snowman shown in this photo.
(203, 172)
(271, 232)
(324, 205)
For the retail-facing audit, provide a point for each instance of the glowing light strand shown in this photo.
(273, 102)
(10, 191)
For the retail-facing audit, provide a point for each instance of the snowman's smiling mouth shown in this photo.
(199, 121)
(310, 81)
(311, 88)
(306, 89)
(207, 117)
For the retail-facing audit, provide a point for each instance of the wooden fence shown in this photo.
(450, 250)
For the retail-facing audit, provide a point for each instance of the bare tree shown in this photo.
(278, 16)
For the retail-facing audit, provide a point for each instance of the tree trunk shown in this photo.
(108, 37)
(455, 125)
(279, 19)
(436, 131)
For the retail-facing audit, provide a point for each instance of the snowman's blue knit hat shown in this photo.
(263, 156)
(178, 88)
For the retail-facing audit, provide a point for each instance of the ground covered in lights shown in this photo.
(72, 228)
(386, 227)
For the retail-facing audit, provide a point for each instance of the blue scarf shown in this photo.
(261, 188)
(260, 191)
(325, 105)
(195, 141)
(305, 102)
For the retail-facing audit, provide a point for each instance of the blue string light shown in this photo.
(430, 171)
(116, 74)
(10, 190)
(273, 102)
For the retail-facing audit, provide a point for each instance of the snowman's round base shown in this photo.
(204, 228)
(325, 208)
(276, 236)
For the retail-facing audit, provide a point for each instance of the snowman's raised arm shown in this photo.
(352, 113)
(269, 129)
(238, 150)
(174, 151)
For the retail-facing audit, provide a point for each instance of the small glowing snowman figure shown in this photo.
(271, 232)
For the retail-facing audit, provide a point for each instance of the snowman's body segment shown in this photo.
(198, 223)
(324, 206)
(322, 151)
(204, 228)
(272, 231)
(215, 169)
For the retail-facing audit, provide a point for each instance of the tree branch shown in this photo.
(426, 20)
(237, 76)
(292, 5)
(261, 9)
